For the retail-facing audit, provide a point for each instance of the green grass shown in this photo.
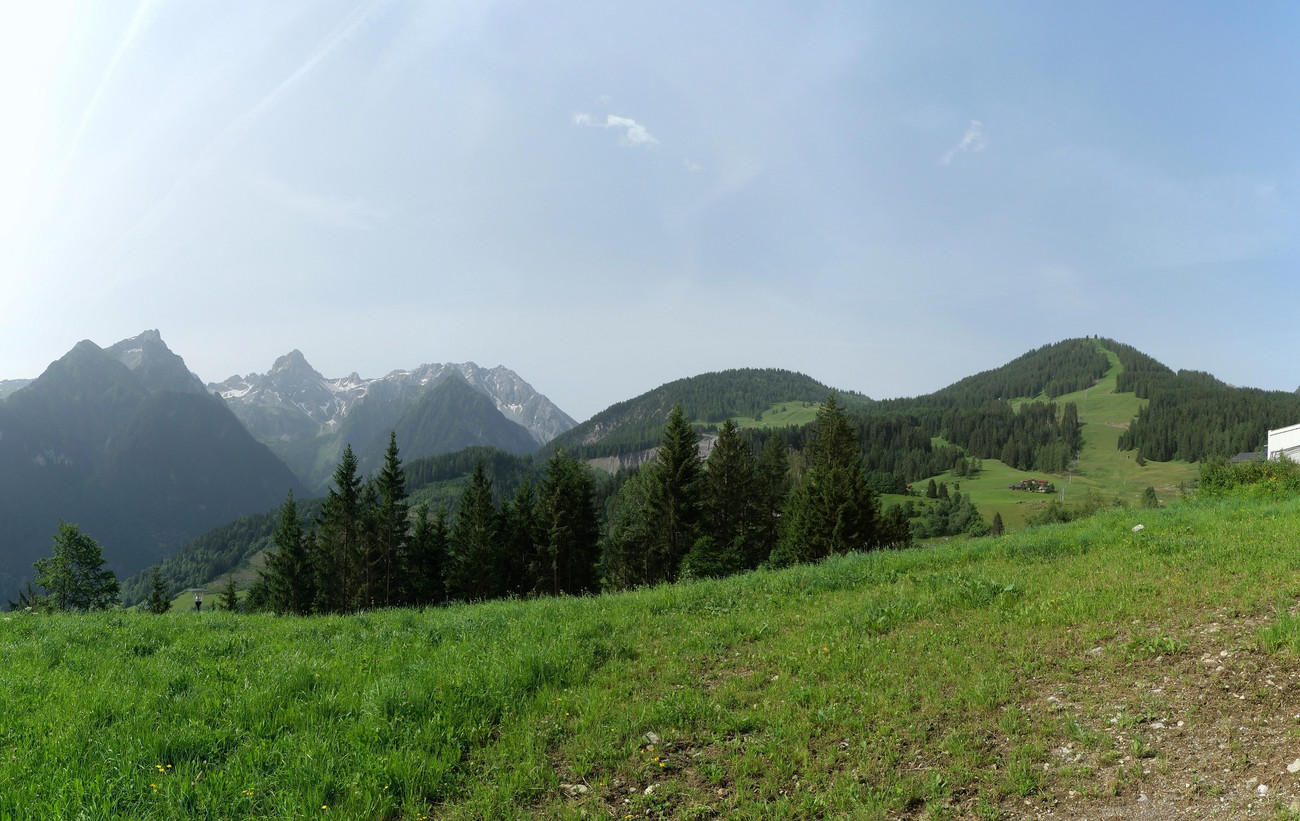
(782, 414)
(873, 686)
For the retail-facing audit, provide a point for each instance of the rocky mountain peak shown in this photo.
(157, 368)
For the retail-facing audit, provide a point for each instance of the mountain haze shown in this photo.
(307, 419)
(127, 443)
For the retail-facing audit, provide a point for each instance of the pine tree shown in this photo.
(159, 602)
(428, 553)
(772, 489)
(997, 528)
(473, 568)
(74, 577)
(730, 502)
(932, 490)
(338, 540)
(678, 491)
(832, 509)
(570, 528)
(393, 526)
(230, 595)
(521, 539)
(288, 575)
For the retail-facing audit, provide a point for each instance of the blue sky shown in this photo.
(608, 196)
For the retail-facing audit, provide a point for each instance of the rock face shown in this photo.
(306, 418)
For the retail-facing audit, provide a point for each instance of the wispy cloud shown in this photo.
(972, 140)
(693, 167)
(635, 135)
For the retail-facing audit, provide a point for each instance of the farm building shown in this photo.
(1284, 442)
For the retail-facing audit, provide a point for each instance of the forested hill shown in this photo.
(1049, 371)
(637, 424)
(1193, 416)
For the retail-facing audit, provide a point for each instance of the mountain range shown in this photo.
(131, 445)
(306, 419)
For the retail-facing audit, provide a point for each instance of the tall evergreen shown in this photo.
(520, 539)
(678, 489)
(772, 488)
(570, 528)
(832, 510)
(338, 540)
(159, 602)
(473, 568)
(393, 526)
(288, 575)
(731, 501)
(427, 556)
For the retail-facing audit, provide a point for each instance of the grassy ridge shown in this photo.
(937, 681)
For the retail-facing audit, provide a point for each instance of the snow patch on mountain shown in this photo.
(292, 398)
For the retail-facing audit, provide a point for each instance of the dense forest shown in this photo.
(1192, 416)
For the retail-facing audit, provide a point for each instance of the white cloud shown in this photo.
(972, 140)
(692, 167)
(635, 136)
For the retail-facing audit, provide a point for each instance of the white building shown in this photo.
(1284, 442)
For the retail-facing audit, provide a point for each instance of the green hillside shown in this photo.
(1081, 669)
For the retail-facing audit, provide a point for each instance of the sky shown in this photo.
(604, 197)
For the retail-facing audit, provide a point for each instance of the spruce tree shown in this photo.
(832, 510)
(773, 486)
(997, 528)
(428, 553)
(520, 539)
(159, 602)
(338, 540)
(74, 577)
(230, 595)
(393, 525)
(678, 492)
(473, 568)
(570, 528)
(288, 574)
(731, 503)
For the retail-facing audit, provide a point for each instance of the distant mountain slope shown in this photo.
(127, 443)
(8, 386)
(637, 424)
(307, 419)
(1192, 416)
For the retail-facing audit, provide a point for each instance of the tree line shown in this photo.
(679, 516)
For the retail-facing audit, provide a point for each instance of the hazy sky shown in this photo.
(605, 196)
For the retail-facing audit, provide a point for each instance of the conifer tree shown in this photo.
(473, 568)
(230, 595)
(74, 577)
(997, 528)
(428, 552)
(678, 492)
(773, 486)
(288, 575)
(520, 540)
(570, 528)
(832, 510)
(393, 525)
(338, 540)
(730, 501)
(159, 602)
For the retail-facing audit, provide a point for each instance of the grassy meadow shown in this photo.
(1058, 668)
